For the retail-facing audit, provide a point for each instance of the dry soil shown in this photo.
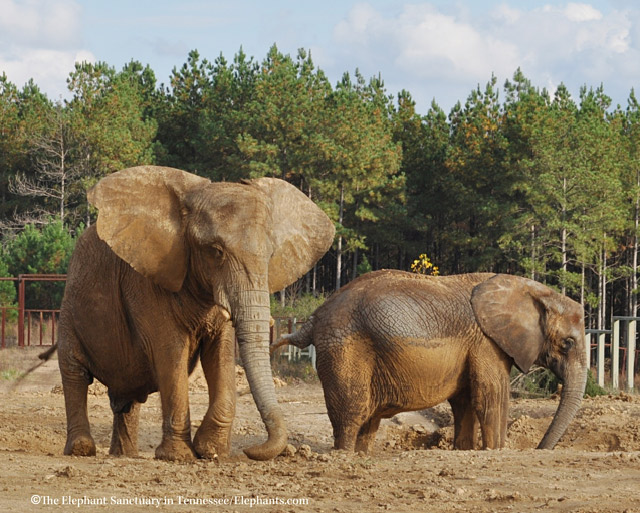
(595, 468)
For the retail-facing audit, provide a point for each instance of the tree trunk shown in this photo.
(314, 280)
(582, 285)
(602, 286)
(633, 300)
(355, 264)
(339, 248)
(533, 251)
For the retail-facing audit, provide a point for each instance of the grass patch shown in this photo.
(10, 374)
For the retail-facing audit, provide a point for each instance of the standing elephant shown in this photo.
(392, 341)
(173, 263)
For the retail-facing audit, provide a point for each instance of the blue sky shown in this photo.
(435, 49)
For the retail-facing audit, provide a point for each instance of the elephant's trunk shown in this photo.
(574, 383)
(252, 329)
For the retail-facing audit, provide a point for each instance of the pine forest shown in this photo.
(514, 179)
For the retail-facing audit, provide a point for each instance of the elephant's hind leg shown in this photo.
(346, 380)
(465, 422)
(348, 412)
(124, 439)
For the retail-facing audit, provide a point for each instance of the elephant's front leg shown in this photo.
(367, 434)
(490, 399)
(124, 440)
(171, 367)
(75, 384)
(217, 356)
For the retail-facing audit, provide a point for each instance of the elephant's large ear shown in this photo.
(510, 311)
(140, 218)
(301, 233)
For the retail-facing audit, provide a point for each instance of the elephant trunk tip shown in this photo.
(570, 400)
(276, 442)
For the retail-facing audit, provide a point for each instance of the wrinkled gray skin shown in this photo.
(174, 263)
(392, 341)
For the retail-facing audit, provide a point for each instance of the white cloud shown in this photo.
(572, 42)
(55, 23)
(582, 12)
(41, 39)
(460, 48)
(506, 14)
(425, 42)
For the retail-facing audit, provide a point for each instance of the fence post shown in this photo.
(631, 353)
(615, 355)
(601, 342)
(20, 311)
(587, 337)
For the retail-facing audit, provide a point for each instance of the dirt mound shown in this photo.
(603, 424)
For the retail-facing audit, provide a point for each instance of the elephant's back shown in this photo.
(394, 304)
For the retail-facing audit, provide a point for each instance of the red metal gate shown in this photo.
(27, 318)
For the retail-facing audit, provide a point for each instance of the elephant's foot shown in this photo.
(212, 444)
(82, 445)
(345, 437)
(175, 450)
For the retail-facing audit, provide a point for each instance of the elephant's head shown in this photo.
(534, 324)
(228, 243)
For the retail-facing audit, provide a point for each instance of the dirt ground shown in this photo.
(595, 468)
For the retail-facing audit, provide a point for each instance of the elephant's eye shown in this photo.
(567, 344)
(216, 251)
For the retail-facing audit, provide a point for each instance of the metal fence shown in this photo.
(29, 326)
(608, 347)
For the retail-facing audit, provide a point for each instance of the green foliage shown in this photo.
(593, 389)
(7, 288)
(301, 307)
(364, 266)
(538, 382)
(542, 383)
(43, 250)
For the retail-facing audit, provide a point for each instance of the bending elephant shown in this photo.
(173, 262)
(392, 341)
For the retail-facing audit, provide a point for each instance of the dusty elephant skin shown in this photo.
(392, 341)
(174, 263)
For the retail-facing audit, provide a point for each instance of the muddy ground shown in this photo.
(595, 468)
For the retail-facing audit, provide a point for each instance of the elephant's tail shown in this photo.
(45, 357)
(301, 338)
(48, 353)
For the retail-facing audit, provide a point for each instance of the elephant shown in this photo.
(392, 341)
(175, 269)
